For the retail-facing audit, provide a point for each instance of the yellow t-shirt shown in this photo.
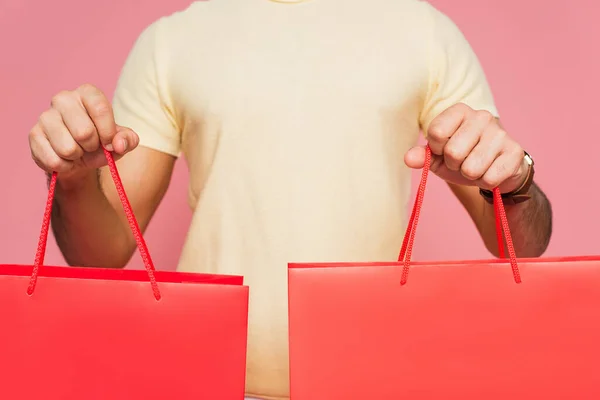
(294, 118)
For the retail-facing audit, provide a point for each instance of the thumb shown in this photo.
(125, 140)
(415, 157)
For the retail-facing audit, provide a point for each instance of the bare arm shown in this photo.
(530, 222)
(88, 219)
(470, 149)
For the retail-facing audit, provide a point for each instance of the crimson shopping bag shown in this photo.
(98, 334)
(500, 329)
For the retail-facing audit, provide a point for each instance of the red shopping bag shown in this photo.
(98, 334)
(481, 330)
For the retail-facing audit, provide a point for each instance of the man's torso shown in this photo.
(294, 122)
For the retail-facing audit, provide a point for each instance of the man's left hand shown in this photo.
(470, 147)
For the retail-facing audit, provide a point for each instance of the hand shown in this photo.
(470, 148)
(69, 135)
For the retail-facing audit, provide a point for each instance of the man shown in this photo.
(298, 120)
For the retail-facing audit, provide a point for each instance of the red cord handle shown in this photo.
(139, 239)
(501, 225)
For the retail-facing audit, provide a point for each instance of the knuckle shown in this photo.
(100, 108)
(453, 152)
(461, 107)
(70, 151)
(84, 133)
(436, 132)
(501, 134)
(484, 115)
(518, 151)
(501, 171)
(54, 164)
(47, 116)
(60, 98)
(34, 134)
(470, 171)
(34, 142)
(490, 181)
(34, 156)
(484, 185)
(495, 176)
(39, 163)
(87, 87)
(36, 161)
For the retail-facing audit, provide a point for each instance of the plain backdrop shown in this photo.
(540, 56)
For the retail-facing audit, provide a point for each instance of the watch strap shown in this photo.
(520, 194)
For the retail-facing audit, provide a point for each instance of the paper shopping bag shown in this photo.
(98, 334)
(477, 330)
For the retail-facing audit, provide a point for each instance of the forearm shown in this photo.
(530, 224)
(87, 228)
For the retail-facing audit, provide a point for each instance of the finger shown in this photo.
(77, 121)
(100, 111)
(59, 136)
(516, 169)
(501, 170)
(464, 140)
(415, 157)
(444, 125)
(43, 154)
(480, 159)
(125, 140)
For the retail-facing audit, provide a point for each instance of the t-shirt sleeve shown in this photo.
(455, 73)
(142, 100)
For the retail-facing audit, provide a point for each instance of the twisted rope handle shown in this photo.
(137, 234)
(411, 229)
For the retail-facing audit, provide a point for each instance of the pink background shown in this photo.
(540, 56)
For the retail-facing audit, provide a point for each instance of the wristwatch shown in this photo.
(518, 195)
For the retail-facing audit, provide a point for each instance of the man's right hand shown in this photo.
(69, 136)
